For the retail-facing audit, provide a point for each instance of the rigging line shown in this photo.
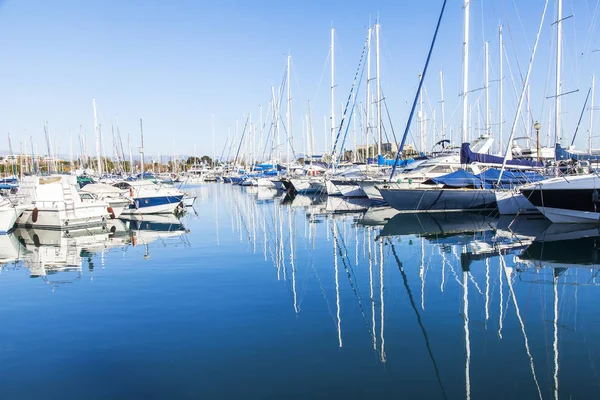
(387, 111)
(322, 76)
(414, 106)
(420, 322)
(358, 69)
(356, 289)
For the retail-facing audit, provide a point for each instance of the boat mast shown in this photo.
(142, 147)
(465, 62)
(332, 92)
(97, 138)
(368, 103)
(379, 134)
(288, 112)
(421, 119)
(487, 89)
(558, 73)
(443, 129)
(501, 47)
(591, 115)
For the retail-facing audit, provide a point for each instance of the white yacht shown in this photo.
(567, 199)
(116, 198)
(53, 202)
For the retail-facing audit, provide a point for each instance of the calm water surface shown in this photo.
(254, 295)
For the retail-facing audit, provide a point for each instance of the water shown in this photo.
(258, 296)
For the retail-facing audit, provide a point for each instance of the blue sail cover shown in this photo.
(563, 154)
(381, 160)
(467, 157)
(457, 179)
(486, 180)
(509, 178)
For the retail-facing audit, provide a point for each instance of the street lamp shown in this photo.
(537, 126)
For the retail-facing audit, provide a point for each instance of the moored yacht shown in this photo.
(151, 198)
(567, 199)
(53, 202)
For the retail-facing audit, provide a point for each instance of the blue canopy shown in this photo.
(457, 179)
(381, 160)
(509, 178)
(487, 179)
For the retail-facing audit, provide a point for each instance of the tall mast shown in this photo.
(421, 120)
(289, 111)
(443, 129)
(332, 91)
(501, 117)
(558, 73)
(97, 138)
(368, 102)
(465, 62)
(487, 89)
(379, 135)
(591, 114)
(142, 147)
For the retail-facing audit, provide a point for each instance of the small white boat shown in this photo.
(151, 198)
(309, 185)
(52, 202)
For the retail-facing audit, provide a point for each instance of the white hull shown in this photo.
(265, 182)
(81, 216)
(513, 203)
(188, 200)
(307, 186)
(563, 216)
(168, 208)
(350, 189)
(8, 218)
(332, 190)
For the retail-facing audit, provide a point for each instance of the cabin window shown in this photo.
(441, 169)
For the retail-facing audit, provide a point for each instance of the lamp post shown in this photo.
(537, 126)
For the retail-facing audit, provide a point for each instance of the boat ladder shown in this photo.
(69, 202)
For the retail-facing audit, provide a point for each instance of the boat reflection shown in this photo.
(58, 256)
(476, 263)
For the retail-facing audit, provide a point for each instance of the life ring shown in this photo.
(34, 214)
(111, 212)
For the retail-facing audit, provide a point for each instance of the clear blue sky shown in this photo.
(176, 63)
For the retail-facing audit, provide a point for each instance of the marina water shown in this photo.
(253, 294)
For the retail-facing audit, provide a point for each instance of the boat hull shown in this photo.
(510, 202)
(8, 218)
(349, 188)
(154, 205)
(439, 200)
(83, 216)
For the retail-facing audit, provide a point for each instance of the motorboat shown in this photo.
(53, 202)
(150, 198)
(116, 198)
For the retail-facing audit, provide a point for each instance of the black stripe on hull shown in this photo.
(567, 199)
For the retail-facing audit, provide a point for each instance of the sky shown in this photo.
(176, 64)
